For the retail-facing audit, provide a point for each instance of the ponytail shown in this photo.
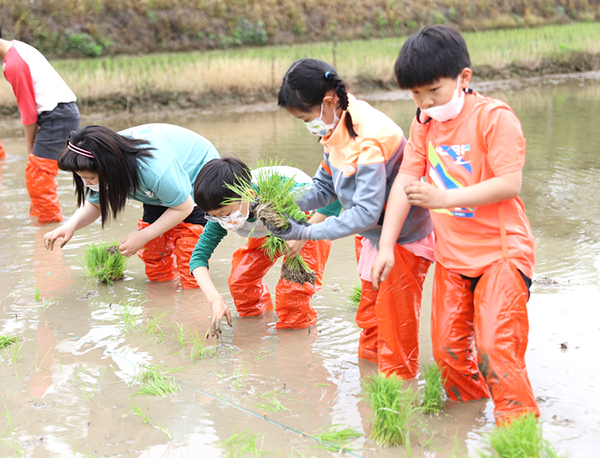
(305, 84)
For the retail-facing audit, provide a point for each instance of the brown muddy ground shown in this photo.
(69, 389)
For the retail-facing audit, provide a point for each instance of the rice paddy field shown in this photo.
(242, 75)
(89, 369)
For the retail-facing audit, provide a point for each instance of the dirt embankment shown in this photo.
(68, 28)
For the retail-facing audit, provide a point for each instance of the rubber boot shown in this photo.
(2, 151)
(40, 179)
(249, 265)
(158, 256)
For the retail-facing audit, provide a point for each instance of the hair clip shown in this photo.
(326, 75)
(78, 150)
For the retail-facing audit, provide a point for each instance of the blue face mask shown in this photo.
(318, 127)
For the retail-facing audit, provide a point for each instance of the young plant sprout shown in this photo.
(522, 437)
(7, 340)
(155, 383)
(433, 401)
(104, 262)
(354, 296)
(393, 407)
(273, 203)
(337, 437)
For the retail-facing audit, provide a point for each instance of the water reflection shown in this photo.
(316, 376)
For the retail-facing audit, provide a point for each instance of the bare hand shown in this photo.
(294, 247)
(219, 309)
(424, 195)
(381, 267)
(60, 232)
(132, 243)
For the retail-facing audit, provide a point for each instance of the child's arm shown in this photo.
(397, 208)
(86, 214)
(219, 307)
(209, 239)
(491, 191)
(135, 241)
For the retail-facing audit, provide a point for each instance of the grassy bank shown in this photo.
(183, 80)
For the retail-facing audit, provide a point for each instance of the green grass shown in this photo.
(272, 405)
(520, 439)
(243, 445)
(393, 406)
(7, 340)
(36, 292)
(433, 399)
(129, 312)
(199, 348)
(337, 437)
(154, 326)
(153, 382)
(355, 295)
(104, 262)
(251, 72)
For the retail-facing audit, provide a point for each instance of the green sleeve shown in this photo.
(332, 209)
(209, 239)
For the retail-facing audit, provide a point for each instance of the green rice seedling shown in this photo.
(7, 340)
(273, 404)
(181, 333)
(154, 325)
(262, 354)
(274, 198)
(129, 313)
(243, 445)
(104, 262)
(153, 382)
(137, 410)
(36, 292)
(433, 399)
(240, 377)
(355, 295)
(200, 349)
(393, 408)
(336, 437)
(521, 438)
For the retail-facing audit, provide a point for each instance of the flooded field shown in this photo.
(70, 387)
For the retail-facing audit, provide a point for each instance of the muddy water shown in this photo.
(69, 388)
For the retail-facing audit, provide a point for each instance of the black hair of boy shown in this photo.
(211, 185)
(435, 52)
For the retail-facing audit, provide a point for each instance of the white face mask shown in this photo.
(319, 128)
(231, 222)
(450, 110)
(94, 187)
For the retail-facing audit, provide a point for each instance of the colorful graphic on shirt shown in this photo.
(441, 178)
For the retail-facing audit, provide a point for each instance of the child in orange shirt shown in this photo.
(471, 151)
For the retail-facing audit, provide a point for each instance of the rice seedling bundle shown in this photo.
(7, 340)
(521, 438)
(433, 400)
(104, 262)
(393, 406)
(273, 203)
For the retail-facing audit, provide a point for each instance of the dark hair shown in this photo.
(305, 85)
(210, 188)
(0, 32)
(435, 52)
(117, 161)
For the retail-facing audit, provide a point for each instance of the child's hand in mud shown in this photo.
(133, 243)
(219, 309)
(60, 232)
(294, 247)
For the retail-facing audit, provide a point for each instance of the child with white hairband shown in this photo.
(155, 164)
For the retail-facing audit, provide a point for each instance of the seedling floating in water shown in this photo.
(7, 340)
(274, 195)
(337, 437)
(104, 262)
(354, 296)
(522, 437)
(393, 407)
(433, 401)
